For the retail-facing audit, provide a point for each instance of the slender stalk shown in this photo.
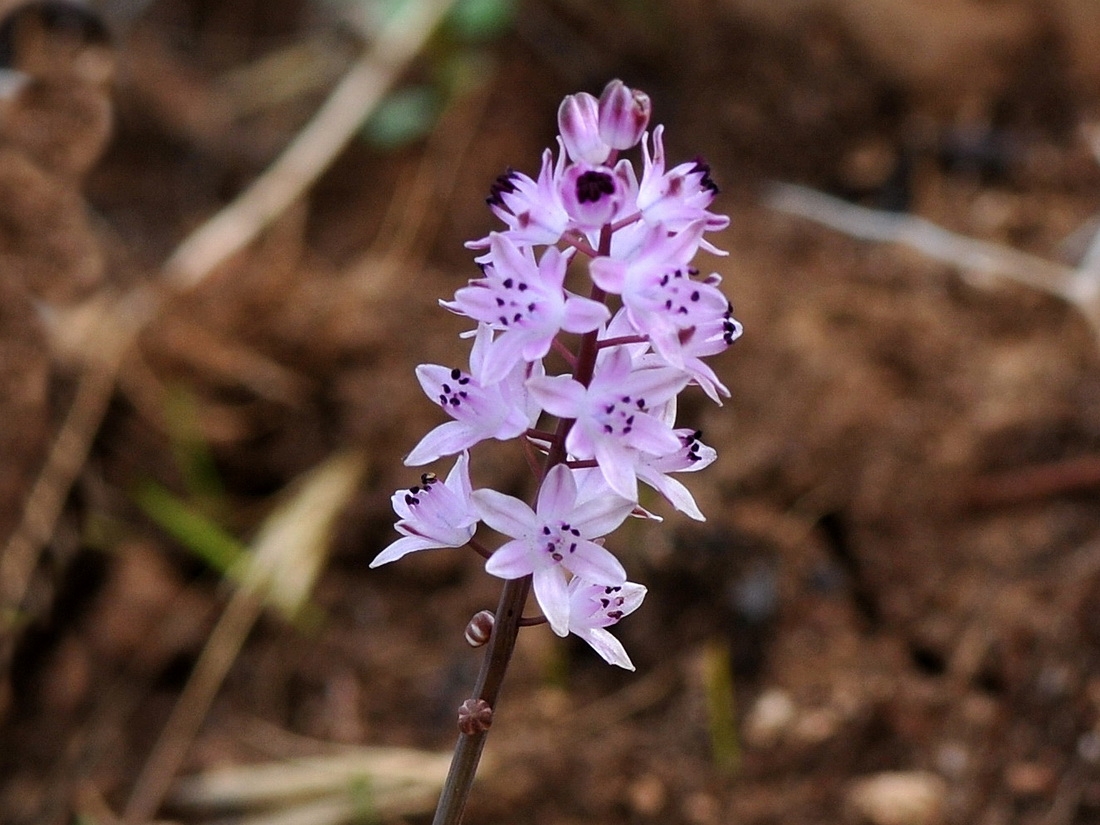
(509, 614)
(460, 778)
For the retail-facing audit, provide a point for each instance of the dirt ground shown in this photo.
(892, 614)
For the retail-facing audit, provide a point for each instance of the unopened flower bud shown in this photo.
(623, 115)
(474, 717)
(480, 628)
(579, 125)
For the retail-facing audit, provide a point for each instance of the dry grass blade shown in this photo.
(388, 770)
(292, 544)
(225, 233)
(312, 150)
(283, 565)
(1077, 287)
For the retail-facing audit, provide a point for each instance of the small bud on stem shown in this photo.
(480, 628)
(474, 717)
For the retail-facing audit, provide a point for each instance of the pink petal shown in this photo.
(557, 394)
(601, 515)
(505, 514)
(583, 314)
(652, 436)
(402, 547)
(617, 465)
(511, 560)
(447, 439)
(610, 649)
(608, 274)
(552, 593)
(596, 564)
(557, 495)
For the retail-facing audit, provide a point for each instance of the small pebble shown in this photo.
(770, 718)
(897, 798)
(1030, 779)
(702, 809)
(647, 795)
(818, 725)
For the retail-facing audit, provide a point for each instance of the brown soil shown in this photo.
(901, 566)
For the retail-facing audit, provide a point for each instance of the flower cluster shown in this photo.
(606, 419)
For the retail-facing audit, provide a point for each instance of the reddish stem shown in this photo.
(622, 339)
(479, 548)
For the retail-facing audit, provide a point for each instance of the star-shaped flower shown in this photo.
(526, 303)
(612, 423)
(678, 196)
(693, 455)
(595, 607)
(480, 410)
(555, 538)
(433, 514)
(532, 209)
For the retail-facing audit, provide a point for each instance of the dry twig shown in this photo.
(1078, 287)
(280, 569)
(311, 151)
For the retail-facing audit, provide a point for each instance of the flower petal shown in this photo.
(402, 547)
(447, 439)
(611, 650)
(583, 314)
(617, 465)
(505, 514)
(552, 593)
(557, 394)
(512, 560)
(596, 564)
(600, 515)
(557, 495)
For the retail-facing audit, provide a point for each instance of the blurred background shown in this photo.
(224, 229)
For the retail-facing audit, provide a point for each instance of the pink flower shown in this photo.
(597, 195)
(526, 302)
(693, 455)
(591, 129)
(556, 537)
(532, 209)
(595, 607)
(679, 196)
(481, 410)
(433, 514)
(612, 422)
(579, 127)
(693, 345)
